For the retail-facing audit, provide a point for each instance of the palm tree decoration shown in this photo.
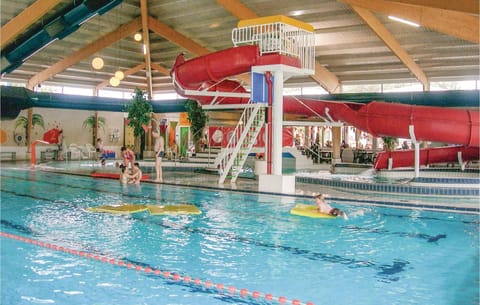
(90, 123)
(198, 119)
(22, 121)
(139, 116)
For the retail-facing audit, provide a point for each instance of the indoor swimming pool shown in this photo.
(245, 248)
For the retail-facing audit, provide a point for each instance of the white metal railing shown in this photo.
(281, 38)
(233, 157)
(205, 92)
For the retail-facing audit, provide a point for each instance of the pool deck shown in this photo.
(190, 178)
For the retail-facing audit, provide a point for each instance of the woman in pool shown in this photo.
(325, 208)
(128, 157)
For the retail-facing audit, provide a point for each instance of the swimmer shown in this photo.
(325, 208)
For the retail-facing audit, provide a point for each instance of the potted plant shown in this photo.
(139, 115)
(389, 143)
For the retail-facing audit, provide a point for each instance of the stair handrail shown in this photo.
(227, 152)
(234, 144)
(240, 161)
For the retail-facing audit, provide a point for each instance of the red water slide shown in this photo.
(437, 124)
(404, 158)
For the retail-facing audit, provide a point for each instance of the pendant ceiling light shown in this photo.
(114, 81)
(119, 75)
(137, 37)
(97, 63)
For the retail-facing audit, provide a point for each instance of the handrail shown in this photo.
(33, 158)
(242, 139)
(312, 151)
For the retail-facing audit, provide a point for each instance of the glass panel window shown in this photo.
(361, 88)
(78, 91)
(453, 85)
(111, 93)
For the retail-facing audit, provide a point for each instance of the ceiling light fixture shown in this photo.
(119, 75)
(404, 21)
(97, 63)
(137, 37)
(114, 81)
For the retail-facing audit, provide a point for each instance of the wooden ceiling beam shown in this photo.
(160, 69)
(126, 74)
(238, 9)
(23, 20)
(146, 46)
(393, 44)
(176, 37)
(183, 42)
(463, 6)
(458, 24)
(326, 79)
(99, 44)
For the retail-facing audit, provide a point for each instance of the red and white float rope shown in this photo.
(221, 288)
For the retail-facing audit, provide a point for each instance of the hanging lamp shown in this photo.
(97, 63)
(114, 81)
(119, 75)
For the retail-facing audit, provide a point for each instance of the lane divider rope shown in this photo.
(219, 287)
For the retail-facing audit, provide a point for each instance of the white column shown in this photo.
(277, 123)
(417, 150)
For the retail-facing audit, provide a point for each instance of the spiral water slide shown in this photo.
(437, 124)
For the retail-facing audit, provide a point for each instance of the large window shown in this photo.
(12, 84)
(292, 91)
(111, 93)
(313, 90)
(300, 90)
(402, 87)
(78, 91)
(361, 88)
(50, 89)
(166, 96)
(454, 85)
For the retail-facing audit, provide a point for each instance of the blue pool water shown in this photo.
(385, 256)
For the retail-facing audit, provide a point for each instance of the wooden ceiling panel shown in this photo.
(346, 46)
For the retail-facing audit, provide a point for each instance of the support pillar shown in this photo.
(276, 182)
(277, 122)
(375, 143)
(358, 134)
(417, 151)
(336, 139)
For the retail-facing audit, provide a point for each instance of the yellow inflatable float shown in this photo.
(178, 209)
(308, 210)
(173, 209)
(119, 209)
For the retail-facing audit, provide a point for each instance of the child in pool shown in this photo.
(325, 208)
(123, 174)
